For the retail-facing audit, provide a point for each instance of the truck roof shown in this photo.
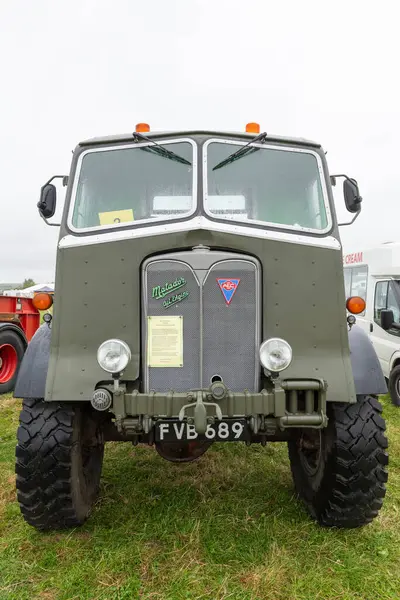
(126, 137)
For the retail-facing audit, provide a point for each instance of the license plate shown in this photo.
(228, 430)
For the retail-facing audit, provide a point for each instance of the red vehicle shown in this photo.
(19, 320)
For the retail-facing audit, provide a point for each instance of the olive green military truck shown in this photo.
(200, 299)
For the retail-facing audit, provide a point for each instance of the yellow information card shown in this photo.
(116, 216)
(165, 341)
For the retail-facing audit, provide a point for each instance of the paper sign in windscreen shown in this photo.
(116, 216)
(165, 341)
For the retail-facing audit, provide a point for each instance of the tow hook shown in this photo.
(200, 420)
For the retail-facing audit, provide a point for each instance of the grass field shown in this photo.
(227, 526)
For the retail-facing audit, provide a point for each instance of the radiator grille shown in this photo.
(229, 331)
(218, 339)
(187, 377)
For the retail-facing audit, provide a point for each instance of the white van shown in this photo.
(375, 276)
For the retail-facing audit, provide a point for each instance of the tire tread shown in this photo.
(43, 465)
(353, 487)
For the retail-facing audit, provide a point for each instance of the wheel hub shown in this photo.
(8, 362)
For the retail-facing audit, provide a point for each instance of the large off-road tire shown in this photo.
(340, 472)
(12, 350)
(59, 457)
(394, 385)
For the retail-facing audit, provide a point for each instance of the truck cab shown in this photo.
(200, 299)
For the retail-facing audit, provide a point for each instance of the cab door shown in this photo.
(386, 343)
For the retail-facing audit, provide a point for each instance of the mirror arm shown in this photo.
(63, 177)
(350, 222)
(48, 222)
(333, 177)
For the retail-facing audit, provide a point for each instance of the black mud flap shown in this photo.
(367, 371)
(32, 374)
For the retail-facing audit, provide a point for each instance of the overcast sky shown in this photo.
(73, 69)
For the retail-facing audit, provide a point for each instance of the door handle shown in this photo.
(371, 327)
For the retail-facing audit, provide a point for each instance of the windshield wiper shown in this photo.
(159, 150)
(247, 149)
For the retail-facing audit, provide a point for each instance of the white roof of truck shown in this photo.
(382, 260)
(128, 137)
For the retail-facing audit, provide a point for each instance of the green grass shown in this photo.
(227, 526)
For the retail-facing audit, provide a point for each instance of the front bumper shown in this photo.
(287, 404)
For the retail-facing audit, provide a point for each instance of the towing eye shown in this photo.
(200, 420)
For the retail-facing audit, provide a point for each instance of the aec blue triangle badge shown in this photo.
(228, 287)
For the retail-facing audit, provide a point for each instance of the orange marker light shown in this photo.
(42, 301)
(142, 128)
(355, 305)
(252, 128)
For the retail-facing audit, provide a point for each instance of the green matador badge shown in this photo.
(159, 292)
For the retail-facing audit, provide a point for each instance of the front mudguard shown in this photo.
(31, 381)
(367, 371)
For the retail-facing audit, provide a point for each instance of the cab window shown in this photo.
(134, 184)
(265, 185)
(387, 297)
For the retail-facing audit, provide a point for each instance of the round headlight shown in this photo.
(275, 355)
(113, 356)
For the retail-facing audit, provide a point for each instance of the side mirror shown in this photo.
(48, 201)
(352, 196)
(387, 319)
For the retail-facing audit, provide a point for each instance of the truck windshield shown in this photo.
(276, 186)
(116, 186)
